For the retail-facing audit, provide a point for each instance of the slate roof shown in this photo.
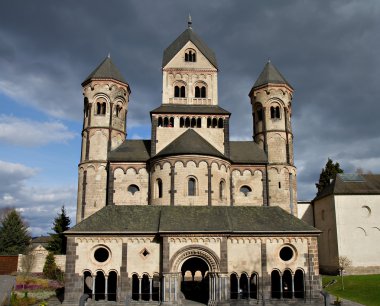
(180, 42)
(246, 152)
(143, 219)
(349, 184)
(190, 109)
(131, 151)
(106, 70)
(270, 75)
(190, 142)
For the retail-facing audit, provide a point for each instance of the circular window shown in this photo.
(286, 253)
(101, 254)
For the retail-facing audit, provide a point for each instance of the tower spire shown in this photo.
(189, 22)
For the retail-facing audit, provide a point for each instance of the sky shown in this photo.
(327, 50)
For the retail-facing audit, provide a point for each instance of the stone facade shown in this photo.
(189, 214)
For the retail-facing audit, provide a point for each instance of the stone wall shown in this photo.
(39, 259)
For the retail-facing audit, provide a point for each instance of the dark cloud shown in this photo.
(326, 49)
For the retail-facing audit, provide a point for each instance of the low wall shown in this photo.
(39, 262)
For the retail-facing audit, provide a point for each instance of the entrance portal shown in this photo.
(195, 280)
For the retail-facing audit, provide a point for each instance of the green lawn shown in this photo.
(364, 289)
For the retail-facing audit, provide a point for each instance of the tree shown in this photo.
(51, 269)
(328, 173)
(344, 263)
(14, 236)
(57, 244)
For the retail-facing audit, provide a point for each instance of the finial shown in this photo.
(189, 22)
(109, 55)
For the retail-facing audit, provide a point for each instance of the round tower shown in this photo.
(271, 100)
(106, 97)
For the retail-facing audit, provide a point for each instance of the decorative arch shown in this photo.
(199, 251)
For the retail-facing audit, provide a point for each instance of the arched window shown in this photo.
(179, 91)
(220, 123)
(214, 122)
(197, 92)
(287, 289)
(135, 287)
(181, 122)
(209, 122)
(259, 112)
(275, 112)
(245, 190)
(299, 287)
(191, 187)
(98, 108)
(100, 286)
(166, 122)
(171, 122)
(203, 92)
(234, 289)
(87, 282)
(183, 92)
(159, 188)
(190, 56)
(193, 122)
(253, 283)
(187, 122)
(103, 108)
(244, 286)
(221, 189)
(199, 123)
(276, 284)
(145, 288)
(160, 123)
(112, 286)
(133, 189)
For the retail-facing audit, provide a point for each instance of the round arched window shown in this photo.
(286, 253)
(133, 189)
(245, 190)
(101, 254)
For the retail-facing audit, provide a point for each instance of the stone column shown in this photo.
(292, 285)
(140, 281)
(93, 286)
(151, 288)
(106, 287)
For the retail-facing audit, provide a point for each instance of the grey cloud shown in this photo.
(326, 49)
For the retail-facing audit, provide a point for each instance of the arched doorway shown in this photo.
(195, 280)
(112, 286)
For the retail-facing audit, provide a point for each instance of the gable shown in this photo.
(178, 60)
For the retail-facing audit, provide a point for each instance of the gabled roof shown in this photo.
(180, 42)
(270, 75)
(106, 70)
(143, 219)
(190, 109)
(131, 151)
(247, 152)
(190, 142)
(352, 184)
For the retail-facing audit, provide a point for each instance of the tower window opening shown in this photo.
(118, 110)
(190, 56)
(179, 91)
(200, 92)
(159, 123)
(221, 189)
(279, 185)
(199, 123)
(245, 190)
(187, 122)
(209, 122)
(220, 123)
(166, 122)
(275, 112)
(214, 122)
(181, 122)
(171, 122)
(191, 187)
(193, 122)
(260, 114)
(159, 188)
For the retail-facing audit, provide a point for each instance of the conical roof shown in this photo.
(180, 42)
(190, 142)
(270, 75)
(106, 70)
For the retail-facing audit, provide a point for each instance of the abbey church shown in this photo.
(189, 215)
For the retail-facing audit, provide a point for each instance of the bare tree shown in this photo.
(344, 263)
(27, 261)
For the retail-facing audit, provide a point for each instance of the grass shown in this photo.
(363, 289)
